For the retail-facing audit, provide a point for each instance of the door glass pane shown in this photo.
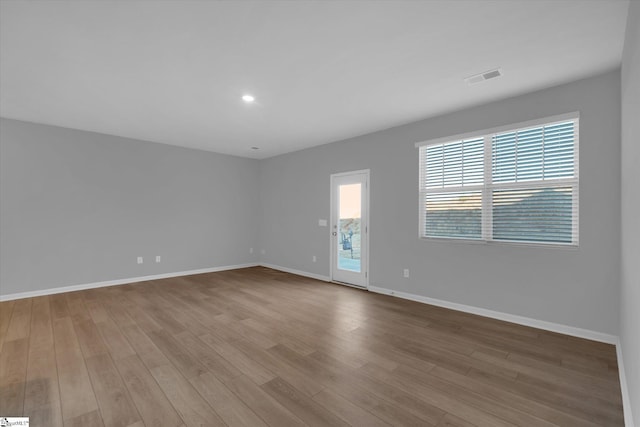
(349, 227)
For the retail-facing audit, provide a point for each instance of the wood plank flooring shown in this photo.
(257, 347)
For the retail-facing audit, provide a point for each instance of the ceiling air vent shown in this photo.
(477, 78)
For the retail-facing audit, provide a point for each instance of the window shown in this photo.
(518, 184)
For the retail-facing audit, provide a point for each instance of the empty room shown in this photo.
(319, 213)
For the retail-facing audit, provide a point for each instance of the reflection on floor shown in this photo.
(257, 347)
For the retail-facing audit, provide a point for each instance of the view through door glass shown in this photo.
(349, 237)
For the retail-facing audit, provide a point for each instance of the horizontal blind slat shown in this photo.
(541, 214)
(537, 168)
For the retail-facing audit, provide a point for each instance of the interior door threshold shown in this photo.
(351, 285)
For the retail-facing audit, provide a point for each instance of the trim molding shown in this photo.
(51, 291)
(526, 321)
(505, 128)
(521, 320)
(512, 318)
(297, 272)
(626, 399)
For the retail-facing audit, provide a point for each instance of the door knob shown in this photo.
(335, 233)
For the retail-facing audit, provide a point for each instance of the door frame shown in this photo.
(365, 218)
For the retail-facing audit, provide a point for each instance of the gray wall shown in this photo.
(79, 207)
(578, 287)
(630, 289)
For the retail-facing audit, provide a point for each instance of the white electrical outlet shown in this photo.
(158, 258)
(140, 260)
(406, 272)
(314, 258)
(250, 250)
(263, 251)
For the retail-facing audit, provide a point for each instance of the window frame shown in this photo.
(487, 187)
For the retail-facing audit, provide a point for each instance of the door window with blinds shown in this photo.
(514, 184)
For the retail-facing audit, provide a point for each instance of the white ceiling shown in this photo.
(174, 71)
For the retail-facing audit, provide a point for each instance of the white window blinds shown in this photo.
(453, 176)
(517, 185)
(455, 164)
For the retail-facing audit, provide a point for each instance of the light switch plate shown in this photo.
(322, 222)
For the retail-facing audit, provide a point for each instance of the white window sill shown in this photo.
(459, 240)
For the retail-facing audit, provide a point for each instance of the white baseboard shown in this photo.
(297, 272)
(626, 399)
(521, 320)
(540, 324)
(81, 287)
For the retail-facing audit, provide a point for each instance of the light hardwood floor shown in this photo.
(257, 347)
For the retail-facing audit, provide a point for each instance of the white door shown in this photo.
(349, 228)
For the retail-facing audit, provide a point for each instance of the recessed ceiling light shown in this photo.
(248, 98)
